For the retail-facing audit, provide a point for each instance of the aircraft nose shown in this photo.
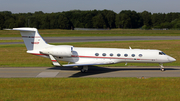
(171, 59)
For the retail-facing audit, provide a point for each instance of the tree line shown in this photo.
(90, 19)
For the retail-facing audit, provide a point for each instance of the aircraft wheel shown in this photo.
(162, 70)
(83, 71)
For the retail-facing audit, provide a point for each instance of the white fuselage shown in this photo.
(114, 55)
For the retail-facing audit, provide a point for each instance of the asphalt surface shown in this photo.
(59, 72)
(93, 39)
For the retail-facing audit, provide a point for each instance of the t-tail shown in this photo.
(36, 45)
(33, 40)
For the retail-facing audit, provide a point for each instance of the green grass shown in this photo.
(16, 56)
(1, 41)
(89, 89)
(113, 32)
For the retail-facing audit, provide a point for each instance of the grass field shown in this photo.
(89, 89)
(16, 56)
(1, 41)
(113, 32)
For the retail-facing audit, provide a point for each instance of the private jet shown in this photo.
(84, 57)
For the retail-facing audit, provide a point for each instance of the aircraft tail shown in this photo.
(32, 39)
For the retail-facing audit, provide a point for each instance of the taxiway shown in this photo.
(94, 71)
(93, 39)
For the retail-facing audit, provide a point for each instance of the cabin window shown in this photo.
(140, 55)
(133, 55)
(111, 54)
(104, 54)
(162, 53)
(97, 54)
(125, 55)
(118, 55)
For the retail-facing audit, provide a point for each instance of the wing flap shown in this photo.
(89, 63)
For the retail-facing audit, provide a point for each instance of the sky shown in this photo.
(49, 6)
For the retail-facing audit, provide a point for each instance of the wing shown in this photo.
(90, 63)
(83, 64)
(102, 62)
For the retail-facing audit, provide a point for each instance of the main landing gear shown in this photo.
(162, 67)
(84, 69)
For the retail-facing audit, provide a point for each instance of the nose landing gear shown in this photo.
(162, 67)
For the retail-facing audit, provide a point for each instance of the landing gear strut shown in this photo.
(84, 69)
(162, 67)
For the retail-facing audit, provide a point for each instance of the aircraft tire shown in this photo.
(162, 70)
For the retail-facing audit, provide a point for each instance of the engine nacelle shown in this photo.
(61, 50)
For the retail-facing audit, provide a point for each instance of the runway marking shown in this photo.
(47, 74)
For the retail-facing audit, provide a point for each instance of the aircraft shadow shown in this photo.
(93, 70)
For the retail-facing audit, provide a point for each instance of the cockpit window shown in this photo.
(162, 53)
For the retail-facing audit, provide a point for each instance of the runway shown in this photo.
(94, 71)
(93, 39)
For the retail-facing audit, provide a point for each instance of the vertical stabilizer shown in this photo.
(32, 39)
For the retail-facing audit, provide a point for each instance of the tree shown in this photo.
(35, 21)
(175, 23)
(98, 21)
(88, 20)
(157, 19)
(146, 16)
(53, 17)
(63, 22)
(45, 22)
(128, 19)
(1, 21)
(20, 20)
(136, 20)
(109, 18)
(123, 19)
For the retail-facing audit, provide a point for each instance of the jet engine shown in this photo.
(61, 50)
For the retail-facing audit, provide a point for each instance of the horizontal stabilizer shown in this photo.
(32, 38)
(23, 29)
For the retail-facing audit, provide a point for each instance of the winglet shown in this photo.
(54, 61)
